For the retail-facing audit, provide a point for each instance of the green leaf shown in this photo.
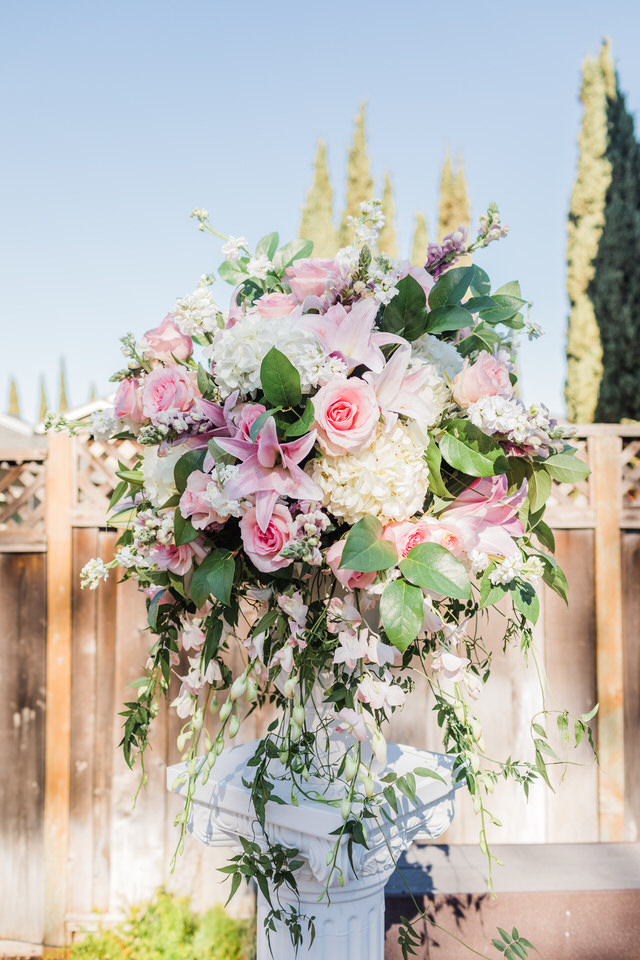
(544, 747)
(475, 304)
(465, 447)
(405, 315)
(390, 797)
(119, 492)
(233, 271)
(205, 383)
(566, 468)
(505, 936)
(448, 317)
(428, 772)
(525, 600)
(539, 730)
(364, 549)
(186, 465)
(506, 308)
(434, 463)
(563, 727)
(260, 421)
(214, 577)
(451, 287)
(585, 717)
(280, 380)
(498, 944)
(433, 567)
(235, 883)
(294, 250)
(402, 613)
(541, 768)
(539, 488)
(303, 423)
(491, 593)
(579, 730)
(554, 577)
(544, 533)
(482, 338)
(267, 246)
(511, 289)
(183, 530)
(481, 284)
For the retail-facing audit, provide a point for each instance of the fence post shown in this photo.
(605, 459)
(59, 498)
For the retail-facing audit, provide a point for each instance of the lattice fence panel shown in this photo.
(96, 465)
(630, 482)
(22, 503)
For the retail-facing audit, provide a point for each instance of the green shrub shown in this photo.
(167, 929)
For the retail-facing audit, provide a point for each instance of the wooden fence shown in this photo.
(71, 842)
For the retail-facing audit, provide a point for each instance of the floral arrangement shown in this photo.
(339, 487)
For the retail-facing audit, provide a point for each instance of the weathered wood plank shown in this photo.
(59, 493)
(570, 639)
(605, 457)
(631, 594)
(83, 728)
(22, 729)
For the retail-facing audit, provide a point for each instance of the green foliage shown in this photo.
(406, 314)
(433, 567)
(214, 577)
(280, 380)
(365, 550)
(167, 929)
(466, 448)
(512, 945)
(402, 613)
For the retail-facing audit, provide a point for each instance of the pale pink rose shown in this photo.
(487, 377)
(167, 388)
(128, 401)
(311, 277)
(346, 416)
(406, 535)
(166, 342)
(263, 546)
(243, 416)
(193, 503)
(351, 579)
(178, 560)
(275, 305)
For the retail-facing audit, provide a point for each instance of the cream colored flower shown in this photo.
(388, 480)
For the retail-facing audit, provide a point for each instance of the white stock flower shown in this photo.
(93, 572)
(234, 248)
(259, 267)
(104, 424)
(388, 480)
(196, 313)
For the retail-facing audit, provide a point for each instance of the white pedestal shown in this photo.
(351, 927)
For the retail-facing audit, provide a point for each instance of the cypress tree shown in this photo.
(63, 402)
(359, 179)
(44, 403)
(387, 241)
(14, 402)
(603, 255)
(317, 214)
(454, 199)
(420, 241)
(584, 228)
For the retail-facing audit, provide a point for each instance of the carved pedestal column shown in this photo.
(351, 926)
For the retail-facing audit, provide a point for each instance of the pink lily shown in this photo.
(350, 335)
(270, 470)
(398, 392)
(485, 506)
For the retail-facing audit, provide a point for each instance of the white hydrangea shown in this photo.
(197, 313)
(157, 474)
(444, 356)
(238, 352)
(505, 415)
(388, 480)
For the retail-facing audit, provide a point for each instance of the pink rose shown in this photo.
(406, 535)
(167, 388)
(128, 402)
(311, 277)
(487, 377)
(243, 416)
(178, 560)
(193, 503)
(351, 579)
(263, 546)
(346, 416)
(166, 342)
(275, 305)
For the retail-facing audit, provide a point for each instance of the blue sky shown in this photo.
(121, 117)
